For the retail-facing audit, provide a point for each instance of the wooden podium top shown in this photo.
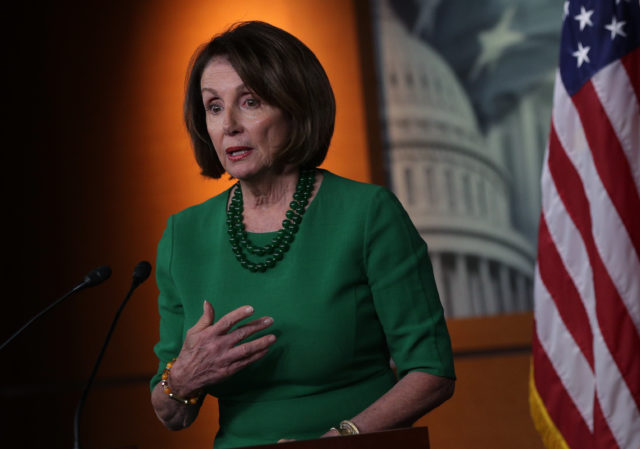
(411, 438)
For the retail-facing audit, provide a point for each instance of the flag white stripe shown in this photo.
(563, 352)
(618, 254)
(616, 402)
(618, 98)
(569, 244)
(615, 398)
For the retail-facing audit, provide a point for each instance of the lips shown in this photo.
(237, 153)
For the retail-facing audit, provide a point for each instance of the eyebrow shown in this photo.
(208, 89)
(239, 87)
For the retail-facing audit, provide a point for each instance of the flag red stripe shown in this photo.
(610, 160)
(564, 292)
(617, 328)
(631, 63)
(603, 438)
(561, 409)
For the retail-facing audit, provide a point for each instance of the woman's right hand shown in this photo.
(211, 353)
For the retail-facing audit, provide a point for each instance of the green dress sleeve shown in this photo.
(404, 290)
(169, 305)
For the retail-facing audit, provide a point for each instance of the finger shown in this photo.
(229, 320)
(331, 433)
(247, 330)
(206, 319)
(285, 440)
(247, 350)
(242, 363)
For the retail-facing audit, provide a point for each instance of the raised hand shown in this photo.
(212, 352)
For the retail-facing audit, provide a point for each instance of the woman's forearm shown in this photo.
(412, 397)
(171, 413)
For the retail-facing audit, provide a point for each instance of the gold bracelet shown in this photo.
(165, 387)
(346, 427)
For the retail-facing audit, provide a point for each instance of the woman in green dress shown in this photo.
(336, 272)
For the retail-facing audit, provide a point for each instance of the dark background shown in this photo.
(66, 190)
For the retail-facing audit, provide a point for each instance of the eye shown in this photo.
(252, 102)
(214, 108)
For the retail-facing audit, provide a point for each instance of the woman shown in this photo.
(335, 270)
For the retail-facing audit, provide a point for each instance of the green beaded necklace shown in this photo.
(272, 252)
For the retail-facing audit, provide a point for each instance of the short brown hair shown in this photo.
(281, 70)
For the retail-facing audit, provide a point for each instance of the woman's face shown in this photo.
(246, 132)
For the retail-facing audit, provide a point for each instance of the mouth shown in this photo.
(237, 153)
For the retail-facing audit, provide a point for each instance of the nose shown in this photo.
(230, 123)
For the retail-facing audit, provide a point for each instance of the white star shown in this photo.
(616, 28)
(494, 42)
(566, 10)
(582, 54)
(584, 17)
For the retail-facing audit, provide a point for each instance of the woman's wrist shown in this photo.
(345, 428)
(182, 379)
(177, 390)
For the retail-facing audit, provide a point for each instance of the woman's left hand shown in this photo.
(409, 399)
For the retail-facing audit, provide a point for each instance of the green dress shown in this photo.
(355, 288)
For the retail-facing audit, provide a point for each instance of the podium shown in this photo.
(410, 438)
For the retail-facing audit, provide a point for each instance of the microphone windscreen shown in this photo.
(97, 276)
(141, 272)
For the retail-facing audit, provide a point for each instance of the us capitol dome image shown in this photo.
(452, 179)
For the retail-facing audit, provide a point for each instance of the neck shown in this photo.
(268, 192)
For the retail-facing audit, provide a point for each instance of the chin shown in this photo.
(243, 175)
(250, 172)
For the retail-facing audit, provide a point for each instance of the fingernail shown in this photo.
(271, 338)
(267, 321)
(248, 309)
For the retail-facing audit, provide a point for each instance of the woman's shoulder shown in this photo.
(361, 201)
(357, 193)
(204, 211)
(349, 187)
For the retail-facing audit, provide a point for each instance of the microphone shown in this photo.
(140, 274)
(95, 277)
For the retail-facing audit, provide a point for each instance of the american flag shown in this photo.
(585, 379)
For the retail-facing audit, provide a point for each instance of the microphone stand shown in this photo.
(95, 277)
(140, 274)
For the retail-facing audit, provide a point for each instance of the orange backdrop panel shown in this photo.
(157, 161)
(159, 166)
